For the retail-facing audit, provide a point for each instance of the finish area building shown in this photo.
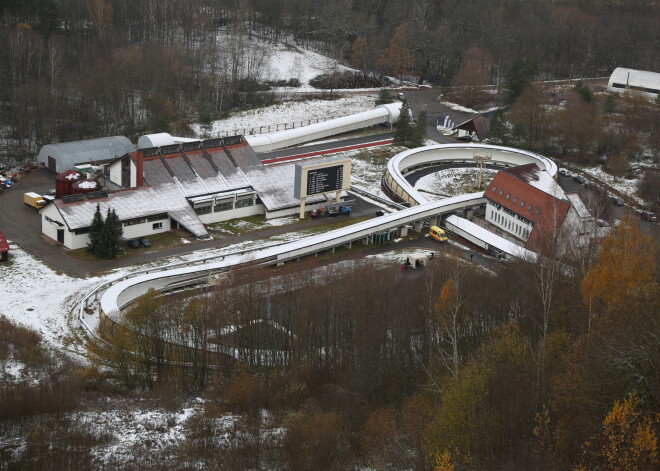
(185, 185)
(528, 204)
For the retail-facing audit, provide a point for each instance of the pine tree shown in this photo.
(402, 135)
(95, 230)
(114, 232)
(384, 97)
(419, 133)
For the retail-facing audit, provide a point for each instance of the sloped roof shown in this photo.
(479, 125)
(526, 191)
(4, 246)
(635, 78)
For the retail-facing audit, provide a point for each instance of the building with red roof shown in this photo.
(527, 203)
(4, 248)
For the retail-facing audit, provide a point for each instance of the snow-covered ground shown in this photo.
(625, 186)
(451, 182)
(261, 119)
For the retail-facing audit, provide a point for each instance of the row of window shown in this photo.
(53, 221)
(227, 205)
(509, 225)
(515, 200)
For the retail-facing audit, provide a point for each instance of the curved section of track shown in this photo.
(414, 159)
(125, 290)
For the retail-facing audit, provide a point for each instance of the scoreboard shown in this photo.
(326, 177)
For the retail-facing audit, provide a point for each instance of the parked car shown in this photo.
(648, 216)
(617, 201)
(314, 213)
(133, 243)
(380, 212)
(466, 138)
(345, 210)
(563, 171)
(579, 178)
(401, 96)
(144, 242)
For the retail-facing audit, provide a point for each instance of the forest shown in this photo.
(547, 366)
(76, 69)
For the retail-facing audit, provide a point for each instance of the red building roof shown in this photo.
(532, 194)
(4, 246)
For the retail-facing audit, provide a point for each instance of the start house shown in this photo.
(184, 185)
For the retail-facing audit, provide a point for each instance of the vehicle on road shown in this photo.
(401, 96)
(314, 213)
(438, 234)
(617, 201)
(34, 200)
(466, 138)
(133, 243)
(580, 179)
(381, 212)
(144, 242)
(648, 216)
(345, 210)
(564, 172)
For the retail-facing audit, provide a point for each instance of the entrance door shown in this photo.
(60, 235)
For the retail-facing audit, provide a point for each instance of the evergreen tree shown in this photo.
(419, 133)
(384, 97)
(519, 75)
(499, 129)
(402, 135)
(95, 230)
(114, 233)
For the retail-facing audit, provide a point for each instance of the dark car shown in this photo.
(465, 138)
(345, 210)
(617, 201)
(133, 243)
(579, 178)
(145, 242)
(380, 212)
(648, 216)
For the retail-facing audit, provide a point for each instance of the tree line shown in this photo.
(74, 69)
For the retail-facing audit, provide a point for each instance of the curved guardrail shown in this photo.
(414, 159)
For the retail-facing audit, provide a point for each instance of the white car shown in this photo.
(400, 96)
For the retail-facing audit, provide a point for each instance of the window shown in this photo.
(537, 211)
(244, 202)
(134, 221)
(515, 200)
(522, 204)
(83, 230)
(508, 195)
(157, 225)
(157, 217)
(493, 189)
(501, 192)
(529, 208)
(206, 209)
(223, 205)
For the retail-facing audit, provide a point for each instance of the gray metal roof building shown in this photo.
(64, 156)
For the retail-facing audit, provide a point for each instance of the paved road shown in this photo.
(23, 226)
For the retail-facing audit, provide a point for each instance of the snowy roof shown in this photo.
(69, 154)
(491, 239)
(635, 78)
(155, 140)
(578, 205)
(539, 179)
(134, 203)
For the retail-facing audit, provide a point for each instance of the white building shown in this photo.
(64, 156)
(638, 81)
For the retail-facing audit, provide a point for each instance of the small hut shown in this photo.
(4, 248)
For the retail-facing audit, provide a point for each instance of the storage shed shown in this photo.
(65, 155)
(4, 248)
(631, 80)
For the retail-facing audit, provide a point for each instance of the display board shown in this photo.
(320, 178)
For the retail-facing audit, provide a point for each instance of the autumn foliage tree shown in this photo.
(399, 58)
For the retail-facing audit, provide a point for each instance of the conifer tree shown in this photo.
(419, 133)
(95, 231)
(402, 135)
(114, 233)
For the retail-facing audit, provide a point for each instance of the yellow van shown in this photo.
(438, 234)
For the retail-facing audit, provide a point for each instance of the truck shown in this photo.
(33, 200)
